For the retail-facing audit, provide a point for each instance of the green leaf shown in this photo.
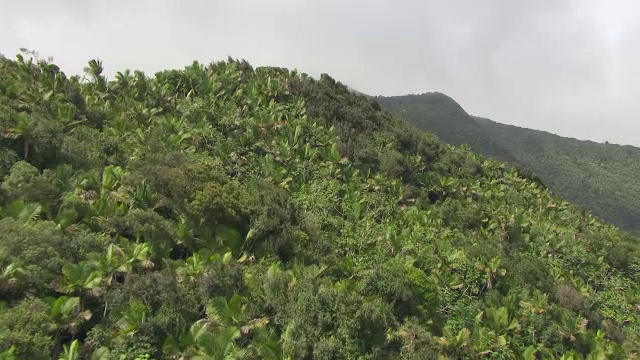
(101, 353)
(71, 352)
(227, 258)
(8, 354)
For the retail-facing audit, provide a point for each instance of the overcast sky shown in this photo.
(568, 67)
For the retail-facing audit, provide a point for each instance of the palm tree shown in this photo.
(137, 254)
(140, 85)
(501, 321)
(131, 318)
(193, 267)
(22, 130)
(81, 277)
(142, 196)
(8, 354)
(101, 353)
(25, 213)
(112, 178)
(94, 70)
(123, 83)
(570, 326)
(217, 335)
(111, 263)
(118, 261)
(68, 314)
(218, 345)
(66, 220)
(530, 353)
(537, 304)
(456, 343)
(267, 345)
(492, 269)
(11, 274)
(71, 352)
(12, 277)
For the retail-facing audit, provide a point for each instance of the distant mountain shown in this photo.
(603, 178)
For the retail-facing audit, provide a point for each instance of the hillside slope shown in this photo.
(226, 212)
(601, 177)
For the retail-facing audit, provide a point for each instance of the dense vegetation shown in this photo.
(600, 177)
(226, 212)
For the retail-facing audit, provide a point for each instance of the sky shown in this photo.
(570, 67)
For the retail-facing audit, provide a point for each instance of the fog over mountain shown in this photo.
(568, 67)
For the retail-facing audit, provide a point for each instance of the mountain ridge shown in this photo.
(558, 160)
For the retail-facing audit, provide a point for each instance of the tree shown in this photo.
(71, 352)
(69, 315)
(131, 318)
(80, 278)
(23, 130)
(94, 70)
(219, 345)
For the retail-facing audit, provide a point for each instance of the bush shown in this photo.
(622, 255)
(568, 296)
(394, 165)
(41, 247)
(527, 271)
(28, 327)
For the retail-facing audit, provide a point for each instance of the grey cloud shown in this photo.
(566, 66)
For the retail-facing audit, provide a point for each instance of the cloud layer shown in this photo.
(565, 66)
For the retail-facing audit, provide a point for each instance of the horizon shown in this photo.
(502, 123)
(566, 67)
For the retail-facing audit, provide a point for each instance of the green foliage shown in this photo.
(599, 177)
(226, 212)
(26, 327)
(39, 246)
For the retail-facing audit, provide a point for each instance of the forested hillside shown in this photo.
(226, 212)
(600, 177)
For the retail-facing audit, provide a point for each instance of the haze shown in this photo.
(568, 67)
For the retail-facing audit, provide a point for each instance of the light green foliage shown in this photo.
(226, 212)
